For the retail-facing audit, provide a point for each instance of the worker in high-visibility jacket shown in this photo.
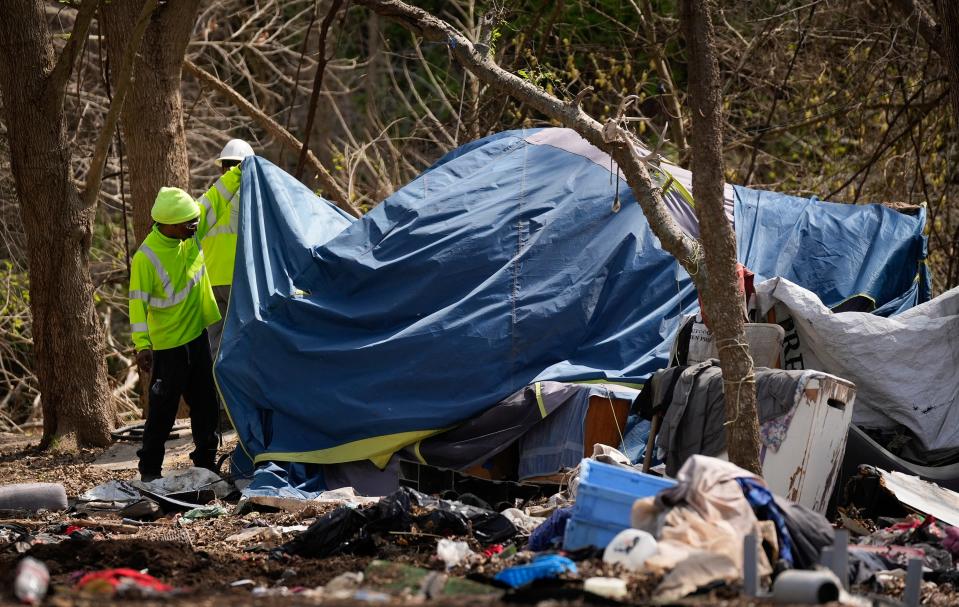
(219, 244)
(171, 306)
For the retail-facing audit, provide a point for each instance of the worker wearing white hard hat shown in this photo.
(219, 245)
(233, 153)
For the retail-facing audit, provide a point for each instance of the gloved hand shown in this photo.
(951, 541)
(145, 360)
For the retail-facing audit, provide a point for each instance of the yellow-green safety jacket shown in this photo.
(171, 295)
(219, 244)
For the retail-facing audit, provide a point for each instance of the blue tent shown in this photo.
(505, 263)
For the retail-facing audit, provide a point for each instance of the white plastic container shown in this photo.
(630, 548)
(609, 587)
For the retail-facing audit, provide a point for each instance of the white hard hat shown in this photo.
(235, 149)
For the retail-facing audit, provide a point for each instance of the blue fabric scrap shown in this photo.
(766, 509)
(550, 533)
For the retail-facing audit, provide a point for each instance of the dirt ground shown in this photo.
(198, 559)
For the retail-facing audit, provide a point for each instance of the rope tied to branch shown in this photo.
(695, 260)
(732, 342)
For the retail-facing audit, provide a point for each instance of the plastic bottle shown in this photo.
(31, 581)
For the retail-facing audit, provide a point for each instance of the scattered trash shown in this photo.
(494, 550)
(402, 579)
(111, 491)
(806, 587)
(951, 541)
(542, 567)
(604, 499)
(255, 533)
(330, 534)
(349, 530)
(31, 581)
(18, 535)
(122, 582)
(79, 534)
(630, 548)
(347, 582)
(369, 596)
(608, 587)
(699, 526)
(453, 553)
(253, 496)
(550, 534)
(201, 513)
(522, 521)
(243, 582)
(191, 480)
(141, 509)
(31, 497)
(922, 495)
(262, 591)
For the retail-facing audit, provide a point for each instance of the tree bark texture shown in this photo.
(67, 334)
(720, 294)
(949, 18)
(152, 118)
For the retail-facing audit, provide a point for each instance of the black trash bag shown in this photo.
(392, 513)
(456, 518)
(443, 522)
(339, 532)
(472, 500)
(351, 531)
(492, 528)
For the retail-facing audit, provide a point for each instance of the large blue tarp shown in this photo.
(505, 263)
(837, 251)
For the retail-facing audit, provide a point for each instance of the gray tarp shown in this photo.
(906, 368)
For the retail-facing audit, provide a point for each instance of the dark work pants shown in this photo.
(185, 371)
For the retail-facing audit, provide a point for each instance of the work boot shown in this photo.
(149, 477)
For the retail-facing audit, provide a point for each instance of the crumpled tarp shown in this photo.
(499, 266)
(507, 262)
(839, 252)
(904, 367)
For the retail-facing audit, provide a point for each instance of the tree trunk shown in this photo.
(949, 18)
(67, 334)
(721, 296)
(720, 292)
(152, 118)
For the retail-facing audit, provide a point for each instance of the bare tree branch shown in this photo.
(671, 97)
(919, 19)
(57, 81)
(317, 85)
(124, 82)
(613, 140)
(332, 189)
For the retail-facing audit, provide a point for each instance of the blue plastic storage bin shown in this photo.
(606, 493)
(583, 534)
(604, 502)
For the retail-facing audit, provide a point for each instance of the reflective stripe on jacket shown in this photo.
(171, 297)
(219, 243)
